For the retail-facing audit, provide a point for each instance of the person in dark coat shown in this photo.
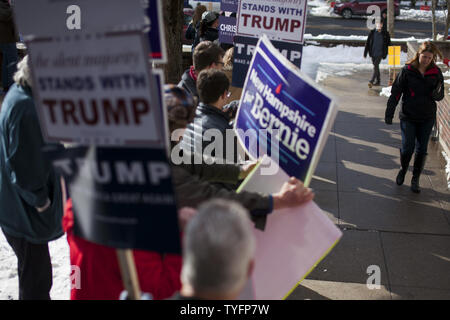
(377, 45)
(30, 192)
(193, 186)
(192, 28)
(206, 55)
(421, 84)
(208, 29)
(212, 86)
(8, 39)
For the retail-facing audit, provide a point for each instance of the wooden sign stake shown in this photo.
(129, 273)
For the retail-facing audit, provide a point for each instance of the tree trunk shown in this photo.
(447, 21)
(433, 19)
(390, 17)
(173, 26)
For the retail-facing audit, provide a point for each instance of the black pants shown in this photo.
(34, 268)
(376, 69)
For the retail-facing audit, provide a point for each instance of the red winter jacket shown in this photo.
(100, 274)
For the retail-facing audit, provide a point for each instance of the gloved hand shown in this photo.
(388, 120)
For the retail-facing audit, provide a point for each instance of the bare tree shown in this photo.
(447, 21)
(433, 18)
(390, 17)
(173, 25)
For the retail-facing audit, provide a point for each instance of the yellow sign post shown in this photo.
(393, 61)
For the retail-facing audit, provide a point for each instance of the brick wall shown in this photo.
(443, 122)
(443, 106)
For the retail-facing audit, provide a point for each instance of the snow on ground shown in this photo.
(322, 9)
(59, 253)
(319, 62)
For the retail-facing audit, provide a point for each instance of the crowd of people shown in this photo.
(215, 221)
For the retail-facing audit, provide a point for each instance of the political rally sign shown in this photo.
(279, 20)
(279, 100)
(243, 54)
(158, 75)
(46, 18)
(229, 5)
(96, 90)
(155, 28)
(227, 29)
(122, 197)
(293, 242)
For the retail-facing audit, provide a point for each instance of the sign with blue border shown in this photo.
(277, 98)
(243, 53)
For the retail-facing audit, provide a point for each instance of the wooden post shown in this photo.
(129, 273)
(390, 17)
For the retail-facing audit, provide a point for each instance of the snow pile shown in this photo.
(323, 9)
(310, 37)
(420, 15)
(320, 62)
(386, 92)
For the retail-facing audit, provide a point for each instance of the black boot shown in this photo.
(419, 163)
(404, 161)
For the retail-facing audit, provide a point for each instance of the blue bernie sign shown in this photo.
(278, 100)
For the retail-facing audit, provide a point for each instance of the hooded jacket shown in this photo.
(27, 178)
(419, 92)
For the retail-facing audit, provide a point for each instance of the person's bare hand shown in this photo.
(246, 168)
(292, 194)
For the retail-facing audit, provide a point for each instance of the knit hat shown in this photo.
(180, 106)
(209, 16)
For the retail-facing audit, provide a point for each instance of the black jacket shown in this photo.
(7, 29)
(188, 84)
(211, 34)
(419, 93)
(206, 118)
(386, 43)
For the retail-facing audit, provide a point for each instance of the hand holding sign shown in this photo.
(292, 194)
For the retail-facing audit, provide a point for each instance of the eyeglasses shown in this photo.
(223, 64)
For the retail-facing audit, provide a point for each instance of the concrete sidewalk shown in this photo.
(406, 235)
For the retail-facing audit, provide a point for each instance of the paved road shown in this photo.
(357, 26)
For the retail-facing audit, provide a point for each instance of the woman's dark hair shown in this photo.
(197, 17)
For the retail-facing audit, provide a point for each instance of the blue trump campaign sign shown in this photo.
(243, 54)
(122, 197)
(297, 115)
(155, 29)
(229, 5)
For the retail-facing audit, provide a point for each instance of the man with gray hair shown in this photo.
(30, 191)
(218, 255)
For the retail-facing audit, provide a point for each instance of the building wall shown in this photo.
(443, 106)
